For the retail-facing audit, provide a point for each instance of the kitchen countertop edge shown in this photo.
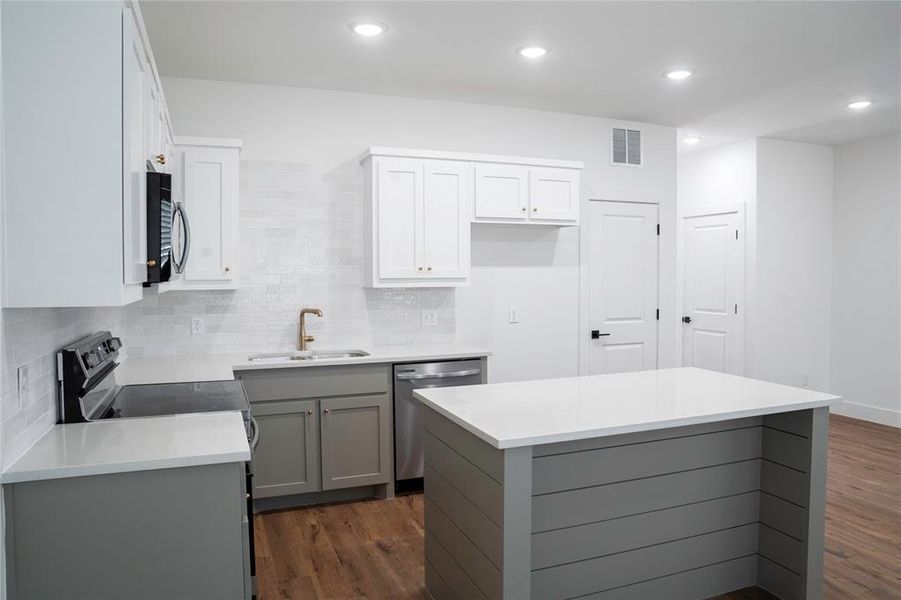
(494, 439)
(60, 454)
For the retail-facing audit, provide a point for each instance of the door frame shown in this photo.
(744, 306)
(585, 282)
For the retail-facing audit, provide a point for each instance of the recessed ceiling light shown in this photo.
(368, 29)
(679, 74)
(691, 141)
(859, 104)
(532, 51)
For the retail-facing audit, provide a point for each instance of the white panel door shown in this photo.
(400, 188)
(135, 75)
(501, 192)
(623, 287)
(553, 194)
(446, 202)
(714, 288)
(211, 199)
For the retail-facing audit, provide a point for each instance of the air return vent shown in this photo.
(626, 146)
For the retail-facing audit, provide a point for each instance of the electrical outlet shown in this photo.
(429, 318)
(514, 314)
(805, 380)
(197, 326)
(23, 387)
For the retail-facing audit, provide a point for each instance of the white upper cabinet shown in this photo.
(398, 214)
(420, 203)
(137, 106)
(76, 143)
(445, 216)
(530, 194)
(554, 195)
(501, 192)
(417, 222)
(206, 180)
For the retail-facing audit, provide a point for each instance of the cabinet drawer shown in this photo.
(315, 382)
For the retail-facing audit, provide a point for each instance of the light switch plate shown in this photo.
(23, 386)
(514, 314)
(429, 318)
(197, 326)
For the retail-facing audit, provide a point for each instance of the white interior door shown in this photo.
(714, 258)
(623, 287)
(446, 202)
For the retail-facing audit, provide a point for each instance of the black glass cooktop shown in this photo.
(157, 399)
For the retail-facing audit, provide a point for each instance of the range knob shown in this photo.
(91, 359)
(113, 344)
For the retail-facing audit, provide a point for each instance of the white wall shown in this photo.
(786, 189)
(794, 263)
(866, 364)
(323, 133)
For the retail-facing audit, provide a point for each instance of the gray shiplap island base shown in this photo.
(688, 511)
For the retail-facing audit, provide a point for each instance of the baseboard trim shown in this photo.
(883, 416)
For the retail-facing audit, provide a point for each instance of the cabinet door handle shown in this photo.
(534, 210)
(310, 412)
(523, 209)
(419, 268)
(430, 268)
(161, 159)
(325, 411)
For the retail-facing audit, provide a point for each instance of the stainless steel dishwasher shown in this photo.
(408, 411)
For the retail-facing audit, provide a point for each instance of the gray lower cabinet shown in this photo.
(286, 461)
(321, 428)
(355, 441)
(178, 534)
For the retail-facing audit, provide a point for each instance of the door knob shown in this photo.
(595, 334)
(151, 263)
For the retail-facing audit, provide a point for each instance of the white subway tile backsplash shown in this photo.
(31, 337)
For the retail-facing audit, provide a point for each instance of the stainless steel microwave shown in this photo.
(168, 231)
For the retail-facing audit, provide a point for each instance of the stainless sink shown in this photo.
(282, 357)
(277, 357)
(337, 354)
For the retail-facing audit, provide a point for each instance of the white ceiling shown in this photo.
(777, 69)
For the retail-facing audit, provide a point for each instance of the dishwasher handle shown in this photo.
(413, 376)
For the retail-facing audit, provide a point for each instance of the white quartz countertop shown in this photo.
(124, 445)
(214, 367)
(529, 413)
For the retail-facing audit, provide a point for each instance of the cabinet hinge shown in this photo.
(658, 228)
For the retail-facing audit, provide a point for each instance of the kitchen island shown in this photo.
(677, 483)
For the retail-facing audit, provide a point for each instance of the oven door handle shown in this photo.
(416, 376)
(254, 435)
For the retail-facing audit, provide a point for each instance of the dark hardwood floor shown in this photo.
(374, 549)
